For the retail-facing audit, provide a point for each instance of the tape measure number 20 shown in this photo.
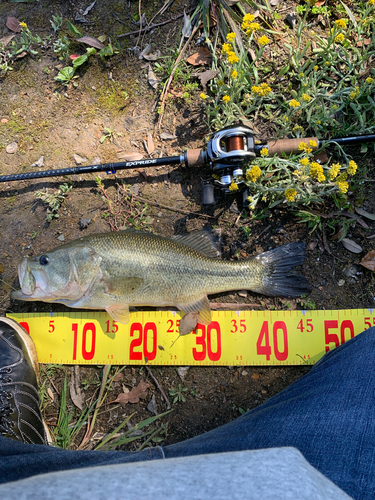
(233, 338)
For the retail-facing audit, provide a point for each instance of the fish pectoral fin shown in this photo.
(122, 286)
(119, 313)
(202, 306)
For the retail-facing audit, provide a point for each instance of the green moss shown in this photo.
(113, 99)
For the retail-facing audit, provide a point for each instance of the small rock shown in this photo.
(341, 282)
(233, 208)
(83, 223)
(182, 372)
(4, 120)
(39, 163)
(134, 189)
(350, 271)
(244, 373)
(11, 148)
(255, 376)
(61, 237)
(291, 19)
(242, 293)
(79, 159)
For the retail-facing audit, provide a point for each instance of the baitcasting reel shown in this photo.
(228, 151)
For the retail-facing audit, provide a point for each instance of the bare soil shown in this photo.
(55, 122)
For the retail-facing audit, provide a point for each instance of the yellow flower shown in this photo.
(220, 83)
(316, 171)
(234, 74)
(352, 167)
(264, 152)
(340, 23)
(354, 94)
(232, 58)
(262, 90)
(343, 186)
(371, 2)
(318, 122)
(226, 98)
(263, 40)
(316, 68)
(233, 187)
(23, 25)
(251, 28)
(253, 174)
(369, 80)
(334, 171)
(313, 144)
(304, 161)
(301, 75)
(203, 96)
(226, 48)
(246, 21)
(306, 97)
(302, 146)
(334, 107)
(294, 104)
(290, 194)
(231, 37)
(327, 63)
(339, 38)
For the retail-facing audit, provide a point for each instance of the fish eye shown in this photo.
(43, 260)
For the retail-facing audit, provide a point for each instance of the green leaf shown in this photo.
(65, 74)
(284, 70)
(73, 28)
(80, 60)
(107, 51)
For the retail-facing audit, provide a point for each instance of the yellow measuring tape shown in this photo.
(258, 338)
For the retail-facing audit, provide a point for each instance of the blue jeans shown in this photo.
(328, 415)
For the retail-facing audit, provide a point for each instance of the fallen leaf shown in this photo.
(74, 389)
(1, 268)
(13, 24)
(150, 143)
(130, 156)
(5, 40)
(203, 56)
(152, 80)
(188, 323)
(50, 393)
(73, 56)
(93, 42)
(273, 3)
(320, 3)
(351, 245)
(151, 407)
(205, 76)
(187, 27)
(365, 214)
(39, 163)
(87, 10)
(368, 260)
(138, 392)
(366, 41)
(118, 377)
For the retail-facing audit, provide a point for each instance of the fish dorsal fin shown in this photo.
(119, 313)
(203, 241)
(202, 306)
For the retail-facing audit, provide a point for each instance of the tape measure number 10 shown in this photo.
(233, 338)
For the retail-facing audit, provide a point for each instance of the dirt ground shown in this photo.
(46, 119)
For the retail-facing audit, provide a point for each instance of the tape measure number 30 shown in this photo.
(233, 338)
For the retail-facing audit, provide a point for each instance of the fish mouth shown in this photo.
(33, 283)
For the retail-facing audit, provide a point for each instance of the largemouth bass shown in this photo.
(114, 270)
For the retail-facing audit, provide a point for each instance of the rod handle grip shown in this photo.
(290, 145)
(195, 157)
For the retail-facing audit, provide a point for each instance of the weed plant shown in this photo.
(307, 83)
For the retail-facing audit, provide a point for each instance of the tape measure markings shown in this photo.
(259, 338)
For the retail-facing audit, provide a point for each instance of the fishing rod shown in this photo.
(228, 151)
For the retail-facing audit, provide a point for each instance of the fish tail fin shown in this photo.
(279, 281)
